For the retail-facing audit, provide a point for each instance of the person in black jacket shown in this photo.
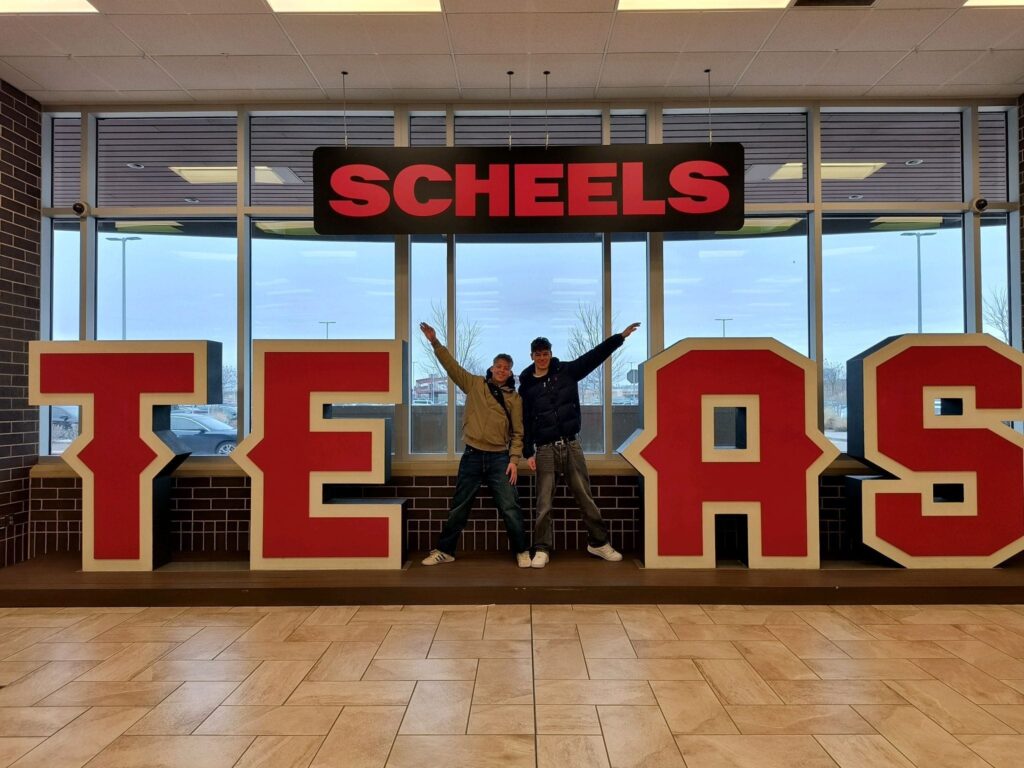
(551, 420)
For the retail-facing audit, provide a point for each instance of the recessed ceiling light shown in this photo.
(355, 6)
(191, 199)
(913, 163)
(856, 197)
(699, 5)
(46, 6)
(135, 166)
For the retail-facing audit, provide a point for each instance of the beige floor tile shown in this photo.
(481, 649)
(39, 684)
(922, 741)
(205, 644)
(863, 752)
(126, 664)
(646, 624)
(80, 693)
(692, 707)
(558, 660)
(198, 671)
(504, 681)
(155, 617)
(990, 660)
(501, 718)
(684, 614)
(78, 742)
(15, 670)
(892, 649)
(835, 627)
(39, 619)
(88, 629)
(605, 641)
(357, 693)
(407, 641)
(971, 681)
(753, 752)
(772, 660)
(331, 614)
(125, 633)
(805, 642)
(11, 748)
(438, 707)
(642, 669)
(173, 751)
(421, 669)
(947, 707)
(272, 683)
(1011, 714)
(35, 721)
(463, 752)
(942, 616)
(184, 710)
(836, 692)
(385, 614)
(283, 651)
(867, 669)
(756, 617)
(685, 649)
(508, 622)
(21, 638)
(624, 692)
(344, 661)
(565, 614)
(721, 632)
(556, 631)
(68, 652)
(461, 625)
(203, 616)
(571, 752)
(276, 627)
(347, 633)
(862, 614)
(361, 738)
(797, 719)
(280, 752)
(638, 736)
(736, 682)
(1000, 638)
(567, 719)
(916, 633)
(1000, 751)
(270, 721)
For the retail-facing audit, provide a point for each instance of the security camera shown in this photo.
(979, 204)
(80, 208)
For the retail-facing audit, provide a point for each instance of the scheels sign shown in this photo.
(927, 412)
(439, 190)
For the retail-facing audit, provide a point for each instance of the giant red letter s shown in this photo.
(295, 449)
(767, 470)
(120, 386)
(929, 409)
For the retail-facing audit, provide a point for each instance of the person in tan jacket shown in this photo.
(492, 429)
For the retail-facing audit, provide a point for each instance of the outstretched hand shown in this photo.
(429, 332)
(632, 327)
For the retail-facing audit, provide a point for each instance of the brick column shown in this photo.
(20, 164)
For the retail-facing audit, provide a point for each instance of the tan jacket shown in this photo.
(484, 423)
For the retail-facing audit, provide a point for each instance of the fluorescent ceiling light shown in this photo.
(46, 6)
(897, 223)
(848, 171)
(763, 226)
(829, 171)
(228, 174)
(698, 5)
(355, 6)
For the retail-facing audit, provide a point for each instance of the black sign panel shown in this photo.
(434, 190)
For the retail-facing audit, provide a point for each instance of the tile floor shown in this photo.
(513, 685)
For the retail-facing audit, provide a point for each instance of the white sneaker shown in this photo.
(436, 557)
(605, 552)
(540, 559)
(523, 559)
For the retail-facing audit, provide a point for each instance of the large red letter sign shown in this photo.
(294, 450)
(773, 479)
(117, 384)
(929, 409)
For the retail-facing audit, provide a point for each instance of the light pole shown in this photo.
(723, 321)
(918, 235)
(124, 283)
(327, 327)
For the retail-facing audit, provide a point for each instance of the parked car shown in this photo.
(204, 435)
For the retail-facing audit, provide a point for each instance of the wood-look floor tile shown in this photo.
(727, 633)
(805, 642)
(11, 748)
(201, 616)
(753, 752)
(867, 669)
(184, 710)
(283, 651)
(125, 664)
(272, 683)
(571, 752)
(346, 633)
(344, 661)
(919, 738)
(948, 708)
(556, 631)
(796, 719)
(1011, 714)
(836, 692)
(206, 644)
(421, 669)
(276, 627)
(835, 627)
(989, 660)
(625, 692)
(198, 671)
(892, 649)
(331, 614)
(463, 752)
(80, 693)
(361, 738)
(68, 652)
(971, 681)
(270, 721)
(125, 633)
(567, 719)
(15, 670)
(357, 693)
(507, 622)
(501, 718)
(79, 741)
(39, 684)
(19, 639)
(39, 620)
(605, 641)
(481, 649)
(504, 681)
(280, 752)
(1000, 638)
(754, 617)
(383, 614)
(863, 752)
(35, 721)
(942, 616)
(461, 625)
(172, 752)
(642, 669)
(638, 736)
(646, 624)
(558, 660)
(685, 649)
(684, 614)
(407, 641)
(772, 660)
(90, 628)
(438, 707)
(736, 682)
(155, 617)
(692, 707)
(1000, 751)
(862, 614)
(565, 614)
(916, 633)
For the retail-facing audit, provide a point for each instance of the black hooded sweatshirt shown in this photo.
(551, 403)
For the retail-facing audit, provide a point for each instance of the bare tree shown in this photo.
(467, 339)
(585, 335)
(996, 312)
(834, 391)
(229, 383)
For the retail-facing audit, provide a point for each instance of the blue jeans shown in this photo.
(476, 468)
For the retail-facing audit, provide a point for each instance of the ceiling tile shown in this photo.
(893, 30)
(726, 68)
(18, 38)
(326, 33)
(360, 95)
(903, 92)
(975, 29)
(528, 6)
(631, 94)
(57, 73)
(567, 70)
(980, 91)
(49, 98)
(783, 68)
(181, 6)
(995, 67)
(156, 97)
(731, 30)
(238, 71)
(407, 33)
(482, 71)
(128, 73)
(833, 91)
(650, 32)
(530, 33)
(929, 67)
(637, 69)
(425, 94)
(811, 29)
(207, 35)
(264, 95)
(77, 35)
(364, 71)
(17, 78)
(418, 71)
(864, 68)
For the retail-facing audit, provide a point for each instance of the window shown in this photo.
(629, 304)
(428, 383)
(67, 161)
(995, 276)
(64, 303)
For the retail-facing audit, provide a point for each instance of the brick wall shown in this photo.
(20, 159)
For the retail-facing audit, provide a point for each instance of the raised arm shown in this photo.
(458, 374)
(582, 366)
